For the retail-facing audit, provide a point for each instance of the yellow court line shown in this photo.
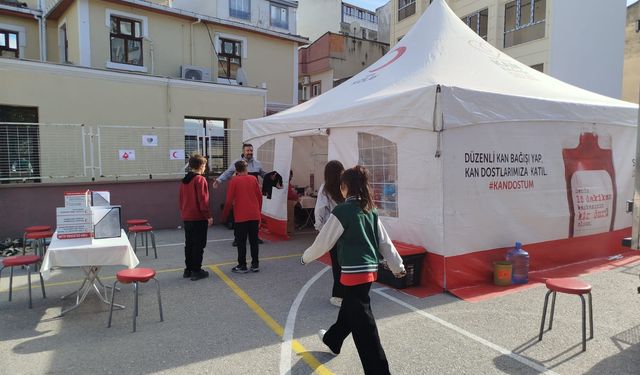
(35, 284)
(275, 327)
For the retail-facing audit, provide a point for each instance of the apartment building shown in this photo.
(338, 17)
(579, 42)
(631, 76)
(84, 80)
(333, 59)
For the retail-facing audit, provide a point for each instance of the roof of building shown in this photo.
(56, 10)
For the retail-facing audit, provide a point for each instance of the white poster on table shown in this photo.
(176, 154)
(126, 154)
(150, 140)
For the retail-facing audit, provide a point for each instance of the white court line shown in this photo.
(468, 334)
(287, 336)
(182, 243)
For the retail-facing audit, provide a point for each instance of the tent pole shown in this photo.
(636, 192)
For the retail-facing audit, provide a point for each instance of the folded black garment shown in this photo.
(271, 180)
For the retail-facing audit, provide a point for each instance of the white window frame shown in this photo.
(280, 7)
(144, 26)
(240, 18)
(237, 38)
(312, 92)
(518, 6)
(22, 37)
(476, 29)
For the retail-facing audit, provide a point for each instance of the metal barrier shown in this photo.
(39, 152)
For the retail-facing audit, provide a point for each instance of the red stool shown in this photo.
(38, 238)
(135, 275)
(144, 229)
(27, 230)
(569, 285)
(22, 260)
(133, 222)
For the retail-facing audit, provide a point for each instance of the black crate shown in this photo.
(413, 266)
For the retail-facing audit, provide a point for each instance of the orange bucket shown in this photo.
(502, 273)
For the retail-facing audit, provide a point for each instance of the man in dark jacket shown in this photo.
(194, 210)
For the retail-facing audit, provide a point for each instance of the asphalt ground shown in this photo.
(267, 323)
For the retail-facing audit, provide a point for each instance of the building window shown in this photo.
(229, 58)
(538, 67)
(126, 41)
(279, 16)
(20, 151)
(305, 93)
(380, 156)
(406, 8)
(9, 44)
(207, 137)
(240, 9)
(316, 89)
(524, 21)
(478, 22)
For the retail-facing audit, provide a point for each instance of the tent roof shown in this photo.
(479, 84)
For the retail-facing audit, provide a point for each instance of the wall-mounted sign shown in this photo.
(149, 140)
(176, 154)
(126, 154)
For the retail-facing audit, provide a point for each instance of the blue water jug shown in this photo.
(519, 260)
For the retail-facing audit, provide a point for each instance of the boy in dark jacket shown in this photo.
(194, 209)
(245, 195)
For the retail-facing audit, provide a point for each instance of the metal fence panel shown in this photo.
(41, 152)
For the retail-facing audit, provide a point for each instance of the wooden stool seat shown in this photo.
(568, 285)
(20, 260)
(136, 274)
(37, 228)
(132, 222)
(39, 235)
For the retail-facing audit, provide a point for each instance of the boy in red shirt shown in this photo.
(194, 210)
(245, 195)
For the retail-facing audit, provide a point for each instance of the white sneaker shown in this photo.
(321, 334)
(335, 301)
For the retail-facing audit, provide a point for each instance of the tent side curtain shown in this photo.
(462, 107)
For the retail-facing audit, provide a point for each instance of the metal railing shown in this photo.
(38, 152)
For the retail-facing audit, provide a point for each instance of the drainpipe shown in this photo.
(42, 30)
(191, 38)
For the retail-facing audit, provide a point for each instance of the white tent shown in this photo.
(469, 150)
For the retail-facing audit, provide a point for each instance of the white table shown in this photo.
(89, 254)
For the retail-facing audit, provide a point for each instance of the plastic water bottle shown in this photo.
(519, 259)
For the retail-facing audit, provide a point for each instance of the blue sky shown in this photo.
(373, 4)
(367, 4)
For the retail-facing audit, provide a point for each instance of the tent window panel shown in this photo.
(266, 154)
(380, 156)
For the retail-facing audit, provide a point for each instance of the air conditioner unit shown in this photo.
(196, 73)
(305, 80)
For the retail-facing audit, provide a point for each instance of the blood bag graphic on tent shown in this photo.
(591, 185)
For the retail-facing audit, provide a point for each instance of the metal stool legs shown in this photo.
(145, 241)
(44, 294)
(135, 302)
(584, 317)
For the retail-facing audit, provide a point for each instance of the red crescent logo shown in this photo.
(399, 52)
(175, 154)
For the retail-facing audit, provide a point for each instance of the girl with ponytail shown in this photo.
(361, 242)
